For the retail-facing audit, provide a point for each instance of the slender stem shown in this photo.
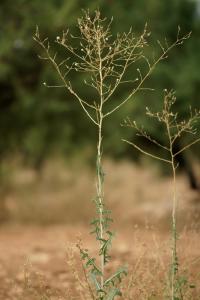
(145, 152)
(100, 195)
(100, 190)
(174, 204)
(187, 146)
(174, 233)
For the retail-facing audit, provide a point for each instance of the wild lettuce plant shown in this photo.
(104, 59)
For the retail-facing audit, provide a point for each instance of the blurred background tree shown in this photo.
(37, 122)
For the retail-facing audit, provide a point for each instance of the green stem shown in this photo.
(100, 190)
(100, 195)
(174, 234)
(174, 203)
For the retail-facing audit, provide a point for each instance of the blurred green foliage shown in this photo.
(36, 121)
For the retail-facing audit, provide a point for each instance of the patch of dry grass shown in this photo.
(53, 267)
(142, 241)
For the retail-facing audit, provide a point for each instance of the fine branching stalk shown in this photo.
(104, 60)
(174, 129)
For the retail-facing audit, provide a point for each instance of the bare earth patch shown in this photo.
(41, 262)
(35, 262)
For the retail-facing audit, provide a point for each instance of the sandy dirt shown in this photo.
(35, 261)
(40, 262)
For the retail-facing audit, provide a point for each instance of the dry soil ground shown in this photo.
(39, 261)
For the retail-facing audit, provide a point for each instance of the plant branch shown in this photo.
(145, 152)
(187, 146)
(143, 79)
(67, 85)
